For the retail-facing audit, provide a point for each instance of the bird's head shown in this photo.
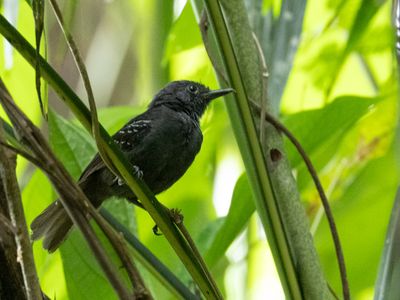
(187, 96)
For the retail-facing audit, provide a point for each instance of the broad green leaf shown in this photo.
(242, 207)
(365, 13)
(184, 34)
(84, 277)
(113, 118)
(72, 145)
(320, 130)
(361, 215)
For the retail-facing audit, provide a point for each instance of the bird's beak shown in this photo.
(217, 93)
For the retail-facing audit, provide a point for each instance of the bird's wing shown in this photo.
(95, 165)
(133, 133)
(126, 138)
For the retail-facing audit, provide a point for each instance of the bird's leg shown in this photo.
(136, 202)
(176, 217)
(156, 231)
(136, 172)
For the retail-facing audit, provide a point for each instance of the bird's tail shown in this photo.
(53, 224)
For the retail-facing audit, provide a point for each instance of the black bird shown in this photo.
(160, 144)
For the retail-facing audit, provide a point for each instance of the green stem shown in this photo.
(155, 267)
(274, 188)
(247, 137)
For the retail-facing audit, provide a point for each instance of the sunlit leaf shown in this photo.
(361, 216)
(242, 207)
(365, 13)
(184, 34)
(74, 148)
(71, 144)
(317, 130)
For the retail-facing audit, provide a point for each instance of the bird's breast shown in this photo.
(170, 149)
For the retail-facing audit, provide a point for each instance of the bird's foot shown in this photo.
(136, 171)
(176, 217)
(156, 230)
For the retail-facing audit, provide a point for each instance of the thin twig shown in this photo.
(172, 282)
(335, 235)
(177, 217)
(117, 243)
(264, 90)
(120, 247)
(24, 154)
(25, 258)
(38, 14)
(7, 223)
(86, 82)
(136, 184)
(115, 239)
(72, 197)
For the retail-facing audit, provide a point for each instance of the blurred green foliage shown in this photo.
(340, 100)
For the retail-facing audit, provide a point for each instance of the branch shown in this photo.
(116, 241)
(73, 199)
(325, 203)
(275, 191)
(8, 179)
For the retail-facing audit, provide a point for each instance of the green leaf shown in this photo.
(320, 130)
(242, 207)
(113, 118)
(365, 13)
(361, 215)
(184, 34)
(84, 277)
(73, 146)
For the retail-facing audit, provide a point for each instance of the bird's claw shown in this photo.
(176, 217)
(156, 230)
(136, 171)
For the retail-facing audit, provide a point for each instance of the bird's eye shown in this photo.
(193, 89)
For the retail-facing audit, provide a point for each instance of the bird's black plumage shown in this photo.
(160, 144)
